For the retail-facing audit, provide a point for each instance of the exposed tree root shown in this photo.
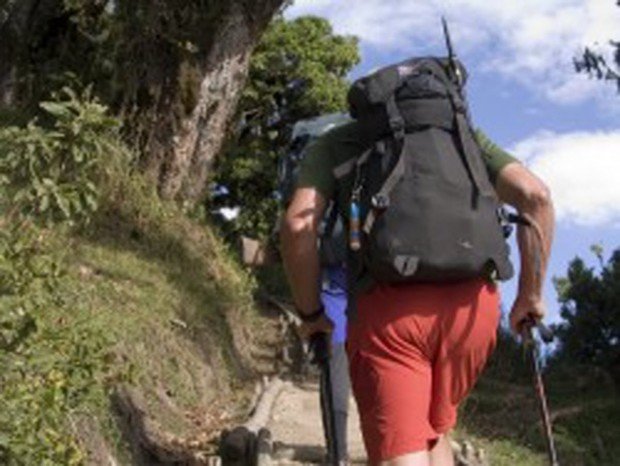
(152, 443)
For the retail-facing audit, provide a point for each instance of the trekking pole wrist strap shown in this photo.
(313, 316)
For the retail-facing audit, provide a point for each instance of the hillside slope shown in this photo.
(145, 341)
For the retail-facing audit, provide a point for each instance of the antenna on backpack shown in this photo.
(457, 75)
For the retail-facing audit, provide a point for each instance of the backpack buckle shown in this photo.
(397, 125)
(459, 106)
(380, 201)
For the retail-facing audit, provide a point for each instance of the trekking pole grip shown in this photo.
(319, 347)
(546, 334)
(527, 335)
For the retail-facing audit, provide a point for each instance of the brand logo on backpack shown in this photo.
(404, 71)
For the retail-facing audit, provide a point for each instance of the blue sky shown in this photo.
(522, 91)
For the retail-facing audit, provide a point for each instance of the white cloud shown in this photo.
(530, 41)
(581, 169)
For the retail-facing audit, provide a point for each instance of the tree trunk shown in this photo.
(7, 66)
(19, 20)
(7, 84)
(180, 155)
(35, 37)
(174, 80)
(201, 134)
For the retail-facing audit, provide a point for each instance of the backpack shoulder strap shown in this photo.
(345, 168)
(381, 200)
(331, 218)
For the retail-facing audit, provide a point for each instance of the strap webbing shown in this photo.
(397, 124)
(395, 118)
(330, 220)
(468, 145)
(470, 152)
(384, 193)
(347, 167)
(344, 169)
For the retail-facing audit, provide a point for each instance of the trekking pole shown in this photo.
(530, 343)
(319, 345)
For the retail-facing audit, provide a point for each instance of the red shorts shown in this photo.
(415, 351)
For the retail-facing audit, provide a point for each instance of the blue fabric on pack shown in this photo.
(334, 299)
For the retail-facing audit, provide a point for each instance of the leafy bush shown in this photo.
(52, 173)
(590, 307)
(51, 365)
(27, 405)
(44, 385)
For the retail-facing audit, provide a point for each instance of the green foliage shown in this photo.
(21, 267)
(44, 383)
(48, 368)
(52, 172)
(53, 43)
(135, 53)
(509, 362)
(595, 65)
(297, 71)
(590, 332)
(503, 413)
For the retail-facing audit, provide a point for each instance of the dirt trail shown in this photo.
(296, 428)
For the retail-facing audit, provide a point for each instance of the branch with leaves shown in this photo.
(595, 65)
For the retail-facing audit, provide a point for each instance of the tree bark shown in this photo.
(181, 160)
(18, 20)
(176, 92)
(34, 36)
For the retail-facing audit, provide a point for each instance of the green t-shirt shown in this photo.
(345, 142)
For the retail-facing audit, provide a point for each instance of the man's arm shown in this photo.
(299, 240)
(520, 188)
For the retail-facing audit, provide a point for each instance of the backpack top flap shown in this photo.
(422, 89)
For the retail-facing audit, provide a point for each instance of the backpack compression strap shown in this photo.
(466, 138)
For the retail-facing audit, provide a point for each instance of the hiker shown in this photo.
(335, 387)
(419, 190)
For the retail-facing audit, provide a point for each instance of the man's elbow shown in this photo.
(300, 225)
(535, 197)
(295, 229)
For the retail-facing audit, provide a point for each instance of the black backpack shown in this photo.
(333, 239)
(422, 205)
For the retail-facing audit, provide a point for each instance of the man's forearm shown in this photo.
(534, 241)
(521, 189)
(299, 238)
(301, 262)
